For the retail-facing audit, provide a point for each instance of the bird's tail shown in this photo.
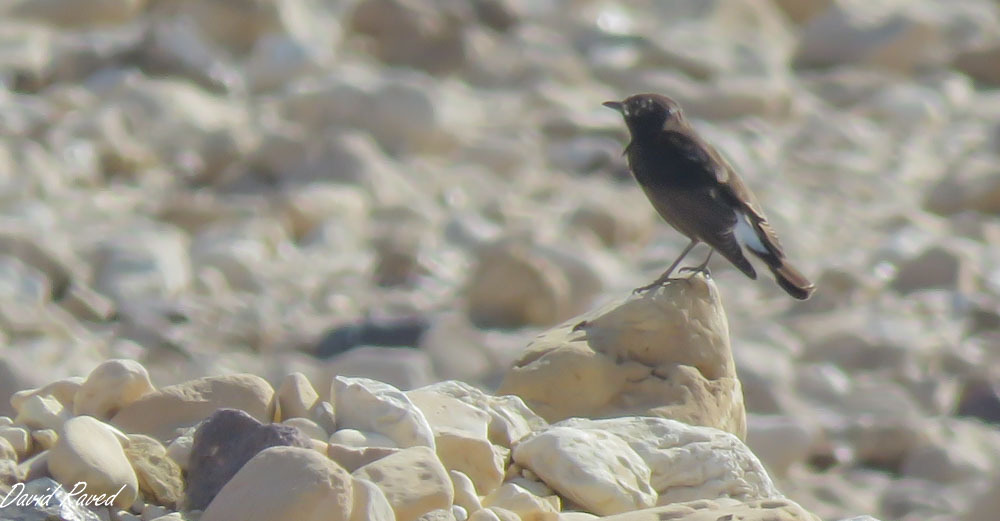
(791, 280)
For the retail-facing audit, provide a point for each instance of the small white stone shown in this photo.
(308, 427)
(460, 513)
(19, 438)
(296, 396)
(465, 491)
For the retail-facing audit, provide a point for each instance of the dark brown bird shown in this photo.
(697, 192)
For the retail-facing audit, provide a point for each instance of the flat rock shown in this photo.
(662, 353)
(162, 413)
(595, 469)
(226, 441)
(285, 483)
(89, 451)
(413, 480)
(111, 386)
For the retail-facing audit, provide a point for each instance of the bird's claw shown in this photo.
(696, 269)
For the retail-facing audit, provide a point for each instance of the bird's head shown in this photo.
(647, 114)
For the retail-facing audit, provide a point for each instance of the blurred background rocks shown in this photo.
(413, 189)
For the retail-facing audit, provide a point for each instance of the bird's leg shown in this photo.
(666, 274)
(703, 267)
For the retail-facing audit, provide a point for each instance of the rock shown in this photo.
(514, 283)
(89, 451)
(353, 458)
(459, 513)
(460, 436)
(159, 476)
(980, 63)
(413, 480)
(111, 386)
(41, 412)
(955, 451)
(323, 414)
(369, 405)
(404, 368)
(663, 353)
(179, 449)
(285, 483)
(370, 503)
(779, 441)
(980, 398)
(800, 11)
(7, 451)
(308, 427)
(913, 498)
(936, 267)
(149, 261)
(19, 438)
(763, 510)
(404, 117)
(485, 514)
(356, 438)
(465, 491)
(413, 33)
(855, 33)
(223, 443)
(594, 469)
(44, 439)
(523, 503)
(61, 507)
(441, 514)
(456, 348)
(296, 397)
(92, 13)
(63, 390)
(162, 413)
(277, 58)
(510, 418)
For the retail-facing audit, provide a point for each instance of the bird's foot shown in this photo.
(657, 283)
(697, 269)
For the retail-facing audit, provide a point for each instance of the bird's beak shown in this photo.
(615, 105)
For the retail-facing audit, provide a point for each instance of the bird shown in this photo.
(697, 192)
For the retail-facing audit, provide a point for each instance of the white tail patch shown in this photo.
(746, 234)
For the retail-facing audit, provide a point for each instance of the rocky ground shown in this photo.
(295, 192)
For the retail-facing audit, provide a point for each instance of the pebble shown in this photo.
(89, 451)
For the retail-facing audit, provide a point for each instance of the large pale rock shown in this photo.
(162, 413)
(111, 386)
(688, 462)
(510, 418)
(368, 405)
(160, 478)
(663, 353)
(460, 434)
(723, 509)
(285, 483)
(595, 469)
(89, 451)
(19, 439)
(296, 397)
(414, 481)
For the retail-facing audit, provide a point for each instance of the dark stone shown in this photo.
(61, 507)
(223, 443)
(980, 399)
(393, 332)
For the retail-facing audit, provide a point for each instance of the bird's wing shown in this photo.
(740, 195)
